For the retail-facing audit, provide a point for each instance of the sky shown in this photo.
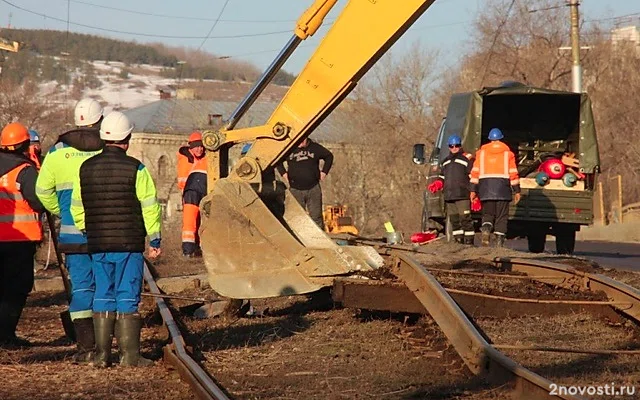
(251, 30)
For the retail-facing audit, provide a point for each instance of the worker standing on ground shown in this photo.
(191, 158)
(304, 175)
(116, 218)
(454, 179)
(495, 181)
(194, 191)
(59, 169)
(35, 151)
(20, 229)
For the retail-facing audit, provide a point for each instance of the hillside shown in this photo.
(119, 86)
(54, 55)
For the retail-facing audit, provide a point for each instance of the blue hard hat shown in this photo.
(454, 139)
(245, 148)
(33, 136)
(495, 134)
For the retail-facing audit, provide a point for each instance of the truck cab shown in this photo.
(542, 128)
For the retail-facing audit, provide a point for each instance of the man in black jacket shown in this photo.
(304, 175)
(455, 169)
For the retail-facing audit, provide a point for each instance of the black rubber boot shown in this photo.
(85, 339)
(500, 240)
(103, 325)
(458, 239)
(128, 326)
(10, 311)
(469, 239)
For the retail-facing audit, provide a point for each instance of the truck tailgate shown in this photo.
(554, 206)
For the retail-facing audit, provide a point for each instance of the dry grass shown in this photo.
(45, 372)
(582, 331)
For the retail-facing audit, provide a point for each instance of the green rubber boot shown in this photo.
(128, 328)
(85, 340)
(103, 325)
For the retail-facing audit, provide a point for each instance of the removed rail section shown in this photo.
(176, 354)
(479, 356)
(626, 298)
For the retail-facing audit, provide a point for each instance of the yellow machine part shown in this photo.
(336, 220)
(257, 241)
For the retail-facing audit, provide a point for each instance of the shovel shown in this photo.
(65, 316)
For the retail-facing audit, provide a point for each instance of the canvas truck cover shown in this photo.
(464, 117)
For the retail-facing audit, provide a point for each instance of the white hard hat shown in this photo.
(87, 112)
(115, 127)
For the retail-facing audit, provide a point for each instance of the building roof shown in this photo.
(182, 116)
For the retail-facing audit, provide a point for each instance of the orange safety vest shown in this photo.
(18, 221)
(186, 167)
(495, 160)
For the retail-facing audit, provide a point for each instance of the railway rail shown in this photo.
(175, 353)
(418, 291)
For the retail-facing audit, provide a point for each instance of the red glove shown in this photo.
(435, 186)
(476, 205)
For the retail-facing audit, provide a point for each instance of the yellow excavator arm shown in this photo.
(257, 240)
(9, 45)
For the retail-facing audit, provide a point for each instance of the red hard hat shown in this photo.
(195, 136)
(14, 134)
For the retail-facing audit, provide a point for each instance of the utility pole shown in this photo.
(576, 69)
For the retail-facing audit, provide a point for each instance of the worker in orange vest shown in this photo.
(191, 158)
(195, 189)
(35, 151)
(495, 181)
(20, 229)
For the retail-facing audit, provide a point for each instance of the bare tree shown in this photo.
(389, 112)
(25, 104)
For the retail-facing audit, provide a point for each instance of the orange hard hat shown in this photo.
(14, 134)
(195, 136)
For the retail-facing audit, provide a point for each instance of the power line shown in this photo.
(611, 18)
(214, 24)
(145, 34)
(178, 16)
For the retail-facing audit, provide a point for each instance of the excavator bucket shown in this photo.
(252, 250)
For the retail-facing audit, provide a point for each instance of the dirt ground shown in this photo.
(307, 347)
(45, 372)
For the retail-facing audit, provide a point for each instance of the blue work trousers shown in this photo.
(83, 286)
(118, 281)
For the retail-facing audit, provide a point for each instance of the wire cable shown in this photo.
(495, 39)
(145, 34)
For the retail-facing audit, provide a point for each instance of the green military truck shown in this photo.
(538, 124)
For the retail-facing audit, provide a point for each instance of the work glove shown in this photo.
(476, 205)
(435, 186)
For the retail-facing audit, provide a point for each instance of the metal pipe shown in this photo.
(178, 341)
(262, 82)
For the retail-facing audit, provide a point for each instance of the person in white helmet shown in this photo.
(114, 201)
(53, 187)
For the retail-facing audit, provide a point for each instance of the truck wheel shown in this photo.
(565, 240)
(536, 241)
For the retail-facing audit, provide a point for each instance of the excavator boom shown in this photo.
(257, 240)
